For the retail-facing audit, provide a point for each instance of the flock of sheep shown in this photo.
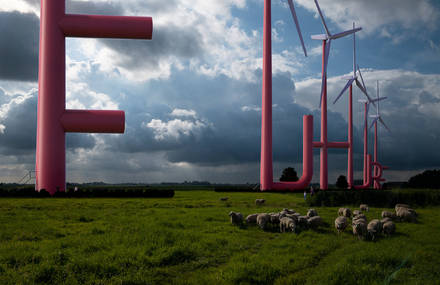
(287, 220)
(364, 230)
(290, 221)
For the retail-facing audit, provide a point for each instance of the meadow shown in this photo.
(188, 239)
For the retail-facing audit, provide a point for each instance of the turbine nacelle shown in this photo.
(328, 37)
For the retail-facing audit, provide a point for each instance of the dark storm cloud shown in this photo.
(232, 136)
(20, 123)
(19, 46)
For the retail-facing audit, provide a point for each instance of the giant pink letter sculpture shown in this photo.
(53, 118)
(266, 172)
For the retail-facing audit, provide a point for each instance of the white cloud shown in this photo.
(250, 108)
(18, 5)
(372, 15)
(2, 129)
(183, 113)
(174, 128)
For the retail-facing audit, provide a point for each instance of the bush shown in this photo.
(342, 182)
(377, 198)
(92, 192)
(427, 179)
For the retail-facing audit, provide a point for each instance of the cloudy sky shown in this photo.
(192, 95)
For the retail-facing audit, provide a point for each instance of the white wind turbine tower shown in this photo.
(362, 87)
(377, 118)
(324, 144)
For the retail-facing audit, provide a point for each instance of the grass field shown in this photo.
(188, 240)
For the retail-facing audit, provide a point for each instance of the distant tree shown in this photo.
(289, 175)
(427, 179)
(342, 182)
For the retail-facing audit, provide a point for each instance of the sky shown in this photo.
(192, 95)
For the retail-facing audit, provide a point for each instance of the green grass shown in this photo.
(189, 240)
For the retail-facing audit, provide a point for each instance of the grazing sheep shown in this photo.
(364, 208)
(401, 206)
(360, 217)
(312, 213)
(314, 221)
(259, 202)
(287, 224)
(251, 219)
(386, 220)
(347, 213)
(263, 221)
(356, 213)
(389, 228)
(297, 215)
(341, 223)
(275, 218)
(283, 213)
(407, 215)
(224, 199)
(374, 228)
(360, 228)
(387, 214)
(236, 218)
(292, 216)
(289, 211)
(341, 211)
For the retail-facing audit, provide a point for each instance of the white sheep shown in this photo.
(374, 228)
(364, 208)
(387, 214)
(356, 213)
(263, 220)
(360, 228)
(314, 221)
(341, 223)
(341, 211)
(251, 219)
(312, 213)
(287, 224)
(236, 218)
(405, 214)
(389, 228)
(401, 206)
(259, 202)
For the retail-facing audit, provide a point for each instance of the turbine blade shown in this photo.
(374, 121)
(364, 87)
(298, 28)
(322, 19)
(346, 33)
(379, 99)
(343, 90)
(383, 123)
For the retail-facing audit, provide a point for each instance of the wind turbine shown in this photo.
(324, 144)
(377, 118)
(361, 85)
(327, 40)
